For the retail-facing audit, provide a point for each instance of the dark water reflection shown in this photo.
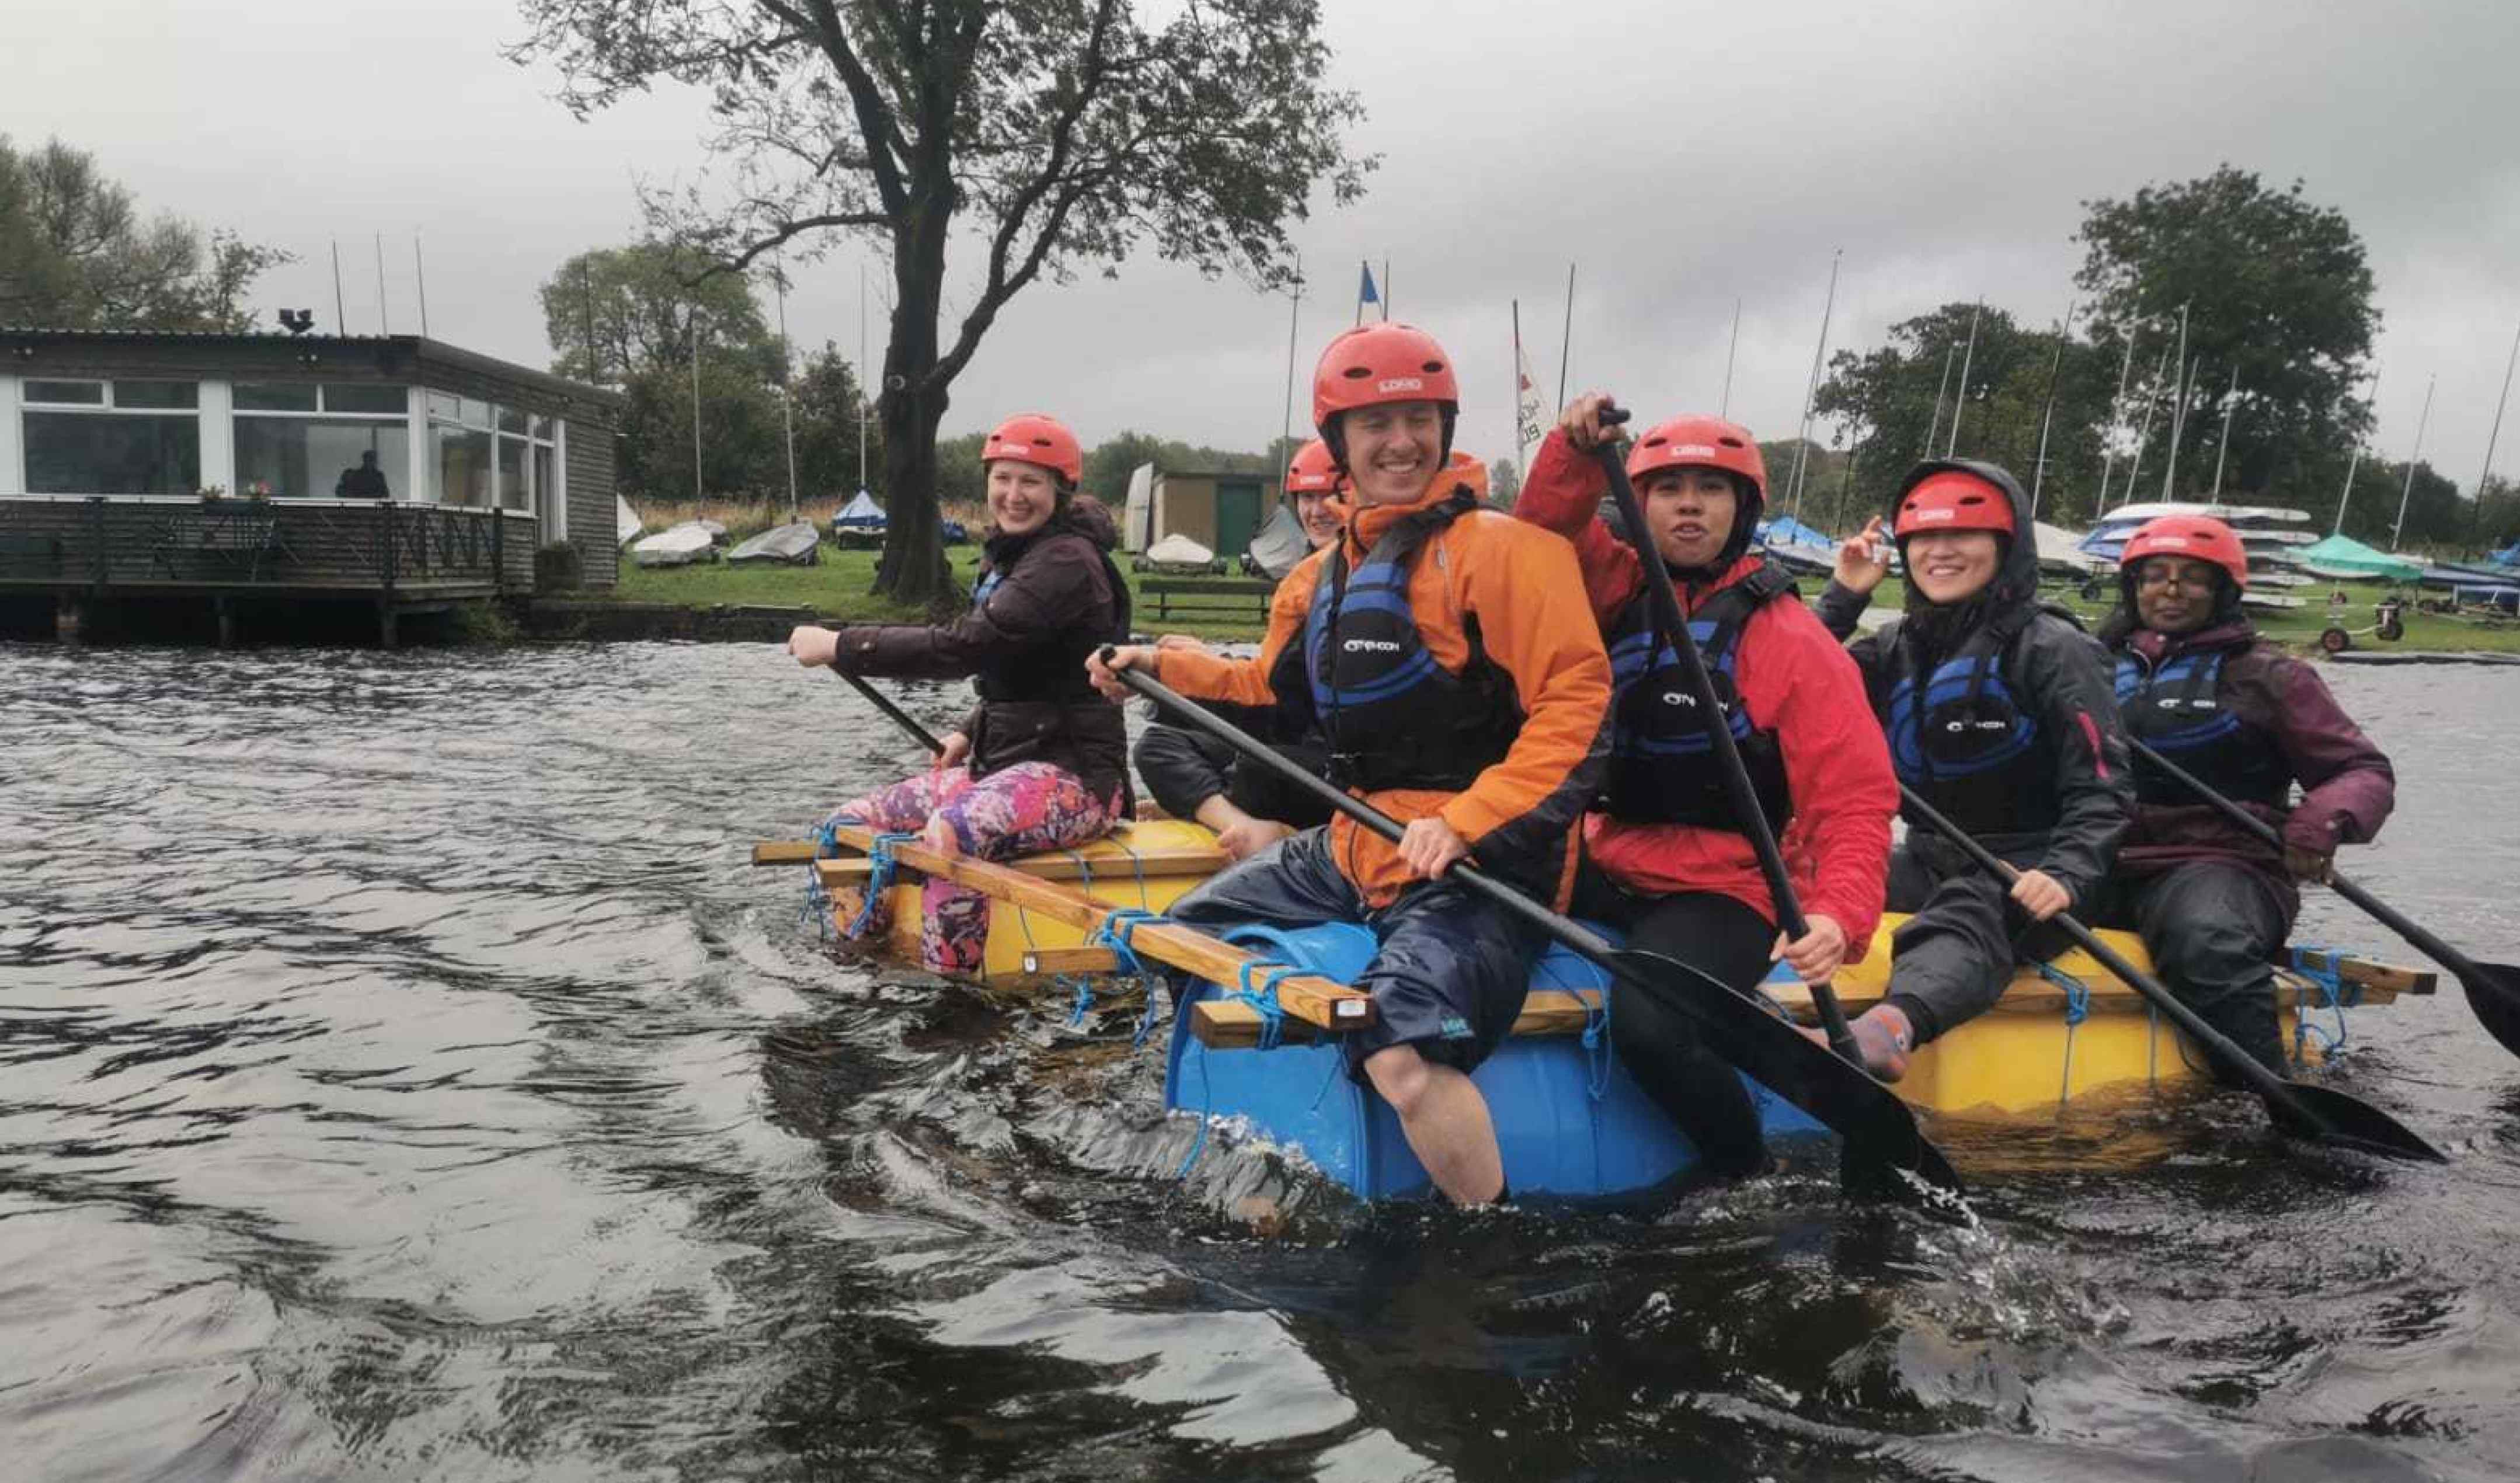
(405, 1077)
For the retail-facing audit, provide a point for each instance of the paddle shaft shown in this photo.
(1253, 749)
(2423, 941)
(1672, 628)
(2263, 1082)
(897, 715)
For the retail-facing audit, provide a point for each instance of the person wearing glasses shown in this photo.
(2213, 902)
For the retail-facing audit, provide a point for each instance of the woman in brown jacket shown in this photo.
(1042, 761)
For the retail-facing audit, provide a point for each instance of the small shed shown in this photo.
(1220, 509)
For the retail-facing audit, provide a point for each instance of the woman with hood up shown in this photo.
(2000, 714)
(2212, 901)
(1041, 762)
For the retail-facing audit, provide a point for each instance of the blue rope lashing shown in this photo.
(2320, 965)
(1084, 1003)
(1113, 932)
(1206, 1111)
(1264, 998)
(818, 901)
(879, 878)
(2078, 1008)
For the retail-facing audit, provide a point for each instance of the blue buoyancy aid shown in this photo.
(1962, 741)
(2175, 708)
(1392, 715)
(1663, 768)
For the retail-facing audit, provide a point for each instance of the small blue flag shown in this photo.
(1365, 294)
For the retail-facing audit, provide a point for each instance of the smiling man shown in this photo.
(2000, 714)
(1447, 659)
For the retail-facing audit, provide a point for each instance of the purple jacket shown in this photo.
(2348, 786)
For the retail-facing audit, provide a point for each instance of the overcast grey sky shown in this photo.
(1681, 154)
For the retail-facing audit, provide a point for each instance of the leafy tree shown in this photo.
(613, 313)
(1055, 133)
(1929, 390)
(1504, 482)
(75, 254)
(828, 401)
(2275, 285)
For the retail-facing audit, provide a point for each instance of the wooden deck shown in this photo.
(93, 550)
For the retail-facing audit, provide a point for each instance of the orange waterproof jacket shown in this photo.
(1796, 681)
(1522, 586)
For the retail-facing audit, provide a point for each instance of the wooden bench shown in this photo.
(1242, 599)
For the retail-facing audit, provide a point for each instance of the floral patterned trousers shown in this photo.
(1019, 810)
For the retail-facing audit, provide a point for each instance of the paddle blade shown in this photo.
(2494, 993)
(1884, 1146)
(2341, 1118)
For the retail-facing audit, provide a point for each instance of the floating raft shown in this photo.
(1258, 1043)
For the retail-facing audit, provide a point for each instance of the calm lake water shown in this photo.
(406, 1077)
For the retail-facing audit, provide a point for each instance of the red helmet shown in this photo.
(1700, 441)
(1036, 438)
(1313, 471)
(1374, 364)
(2199, 538)
(1949, 499)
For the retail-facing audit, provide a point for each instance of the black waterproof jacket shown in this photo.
(2067, 803)
(1046, 601)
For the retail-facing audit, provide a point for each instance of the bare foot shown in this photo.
(1883, 1037)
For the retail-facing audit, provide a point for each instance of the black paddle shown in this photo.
(1671, 629)
(2492, 988)
(1880, 1131)
(2318, 1111)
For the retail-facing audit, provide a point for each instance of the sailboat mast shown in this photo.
(2231, 404)
(2355, 464)
(2397, 531)
(2117, 423)
(2048, 414)
(2178, 408)
(1960, 397)
(1811, 390)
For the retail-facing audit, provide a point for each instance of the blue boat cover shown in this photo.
(1569, 1120)
(858, 513)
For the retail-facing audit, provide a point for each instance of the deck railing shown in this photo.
(102, 540)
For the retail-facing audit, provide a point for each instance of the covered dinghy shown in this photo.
(2343, 559)
(679, 546)
(792, 545)
(1180, 554)
(1277, 547)
(1797, 546)
(861, 513)
(859, 525)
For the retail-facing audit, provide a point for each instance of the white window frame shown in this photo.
(14, 439)
(227, 395)
(13, 452)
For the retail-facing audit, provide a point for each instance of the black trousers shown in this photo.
(1695, 1087)
(1951, 960)
(2213, 928)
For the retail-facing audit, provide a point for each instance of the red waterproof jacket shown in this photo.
(1796, 680)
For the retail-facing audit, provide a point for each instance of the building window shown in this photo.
(111, 438)
(301, 440)
(323, 458)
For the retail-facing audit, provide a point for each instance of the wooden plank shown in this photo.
(1229, 1024)
(2386, 976)
(1308, 997)
(1163, 864)
(1071, 960)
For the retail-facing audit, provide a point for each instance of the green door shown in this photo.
(1237, 516)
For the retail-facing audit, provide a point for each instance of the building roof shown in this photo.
(427, 351)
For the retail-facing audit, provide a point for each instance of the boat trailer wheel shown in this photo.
(2336, 640)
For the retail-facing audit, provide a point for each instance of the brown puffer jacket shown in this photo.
(1045, 601)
